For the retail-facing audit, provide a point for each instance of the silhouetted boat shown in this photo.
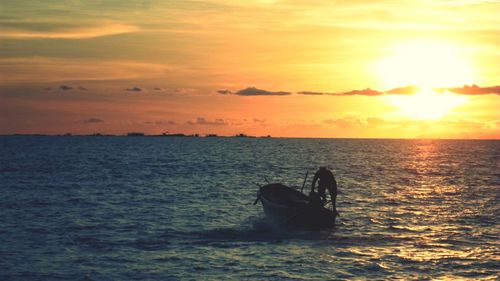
(285, 206)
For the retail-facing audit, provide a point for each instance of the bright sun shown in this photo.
(427, 65)
(426, 104)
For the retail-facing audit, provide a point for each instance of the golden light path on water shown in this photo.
(428, 218)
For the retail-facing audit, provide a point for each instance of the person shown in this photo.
(326, 181)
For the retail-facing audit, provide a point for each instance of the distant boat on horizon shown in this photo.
(135, 134)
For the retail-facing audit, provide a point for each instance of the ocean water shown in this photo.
(157, 208)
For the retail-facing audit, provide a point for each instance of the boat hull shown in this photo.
(287, 207)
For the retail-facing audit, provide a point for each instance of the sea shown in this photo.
(181, 208)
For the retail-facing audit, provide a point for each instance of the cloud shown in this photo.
(173, 91)
(93, 120)
(224, 92)
(183, 90)
(67, 88)
(411, 90)
(205, 122)
(408, 90)
(257, 120)
(365, 122)
(365, 92)
(260, 122)
(161, 122)
(346, 122)
(72, 32)
(473, 90)
(252, 91)
(133, 89)
(168, 122)
(309, 93)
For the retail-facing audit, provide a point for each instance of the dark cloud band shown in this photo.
(93, 120)
(252, 91)
(407, 90)
(473, 90)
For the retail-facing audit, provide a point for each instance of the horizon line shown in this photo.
(181, 135)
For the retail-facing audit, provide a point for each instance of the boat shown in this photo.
(290, 208)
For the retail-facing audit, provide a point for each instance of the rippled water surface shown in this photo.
(145, 208)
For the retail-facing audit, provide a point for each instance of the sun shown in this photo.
(427, 65)
(426, 104)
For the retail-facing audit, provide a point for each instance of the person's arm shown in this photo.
(314, 182)
(334, 203)
(333, 196)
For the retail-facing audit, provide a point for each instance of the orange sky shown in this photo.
(286, 68)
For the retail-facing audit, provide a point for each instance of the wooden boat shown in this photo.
(287, 207)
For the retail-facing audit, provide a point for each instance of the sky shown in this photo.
(289, 68)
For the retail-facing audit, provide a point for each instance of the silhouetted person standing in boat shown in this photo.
(326, 181)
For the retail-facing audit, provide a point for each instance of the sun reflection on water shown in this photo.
(426, 212)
